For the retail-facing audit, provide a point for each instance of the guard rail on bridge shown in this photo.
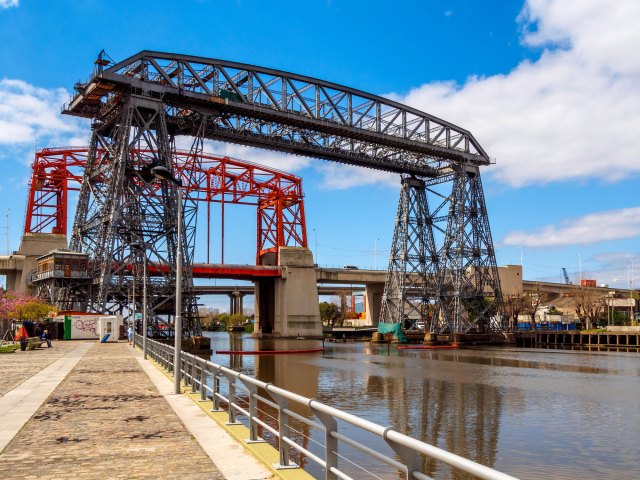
(246, 401)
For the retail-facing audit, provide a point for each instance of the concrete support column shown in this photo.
(264, 306)
(236, 303)
(288, 306)
(373, 299)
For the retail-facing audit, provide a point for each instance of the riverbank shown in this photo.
(629, 340)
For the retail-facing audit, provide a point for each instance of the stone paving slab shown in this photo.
(227, 453)
(17, 367)
(17, 406)
(105, 420)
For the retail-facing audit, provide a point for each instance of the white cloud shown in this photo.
(30, 116)
(9, 3)
(615, 259)
(592, 228)
(572, 113)
(601, 31)
(272, 159)
(279, 161)
(339, 177)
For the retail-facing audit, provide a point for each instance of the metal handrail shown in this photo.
(196, 371)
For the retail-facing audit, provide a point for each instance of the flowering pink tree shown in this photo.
(22, 306)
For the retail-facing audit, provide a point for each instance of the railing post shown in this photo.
(192, 378)
(330, 442)
(283, 432)
(411, 458)
(253, 413)
(203, 378)
(215, 391)
(231, 400)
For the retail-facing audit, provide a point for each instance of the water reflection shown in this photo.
(460, 418)
(531, 413)
(285, 373)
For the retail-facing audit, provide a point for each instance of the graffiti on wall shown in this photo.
(84, 327)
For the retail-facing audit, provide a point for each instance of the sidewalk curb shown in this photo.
(266, 454)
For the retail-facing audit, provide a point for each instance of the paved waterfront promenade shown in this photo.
(90, 410)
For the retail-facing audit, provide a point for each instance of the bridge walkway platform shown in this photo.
(89, 410)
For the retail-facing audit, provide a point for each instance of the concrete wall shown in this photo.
(295, 310)
(19, 266)
(510, 279)
(623, 329)
(373, 299)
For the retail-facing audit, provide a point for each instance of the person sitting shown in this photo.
(46, 338)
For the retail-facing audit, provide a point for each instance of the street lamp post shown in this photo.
(143, 249)
(177, 359)
(144, 306)
(580, 268)
(133, 298)
(163, 173)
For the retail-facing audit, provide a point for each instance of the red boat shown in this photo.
(429, 347)
(267, 352)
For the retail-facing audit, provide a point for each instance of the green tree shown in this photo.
(329, 313)
(223, 318)
(32, 310)
(236, 319)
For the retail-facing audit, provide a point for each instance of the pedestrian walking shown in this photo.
(130, 334)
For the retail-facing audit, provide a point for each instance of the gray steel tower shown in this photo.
(442, 269)
(125, 213)
(470, 294)
(411, 284)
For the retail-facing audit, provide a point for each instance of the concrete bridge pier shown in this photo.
(236, 300)
(19, 266)
(373, 298)
(288, 306)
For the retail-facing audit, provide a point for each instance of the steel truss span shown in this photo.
(147, 100)
(277, 195)
(281, 111)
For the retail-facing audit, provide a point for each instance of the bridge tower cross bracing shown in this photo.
(470, 295)
(120, 206)
(411, 282)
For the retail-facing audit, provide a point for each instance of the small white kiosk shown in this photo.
(109, 328)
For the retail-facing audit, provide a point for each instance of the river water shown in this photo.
(532, 413)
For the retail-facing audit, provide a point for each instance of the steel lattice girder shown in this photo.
(55, 171)
(282, 111)
(411, 283)
(249, 105)
(470, 293)
(453, 288)
(115, 212)
(48, 189)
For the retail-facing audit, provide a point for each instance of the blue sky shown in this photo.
(549, 88)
